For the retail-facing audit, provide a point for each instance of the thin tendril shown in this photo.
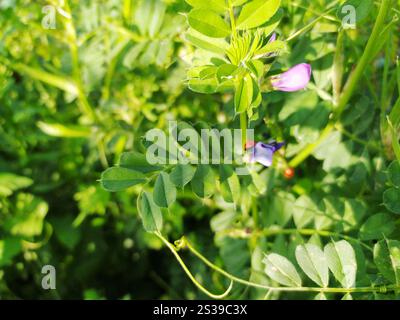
(172, 248)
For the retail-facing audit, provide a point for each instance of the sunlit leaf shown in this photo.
(313, 262)
(63, 131)
(208, 23)
(201, 41)
(215, 5)
(281, 270)
(256, 13)
(244, 94)
(342, 262)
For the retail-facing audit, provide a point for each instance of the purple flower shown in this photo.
(294, 79)
(263, 153)
(273, 38)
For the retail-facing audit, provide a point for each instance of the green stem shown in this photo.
(232, 18)
(72, 41)
(254, 212)
(365, 58)
(172, 248)
(309, 149)
(243, 128)
(338, 68)
(184, 242)
(310, 25)
(350, 85)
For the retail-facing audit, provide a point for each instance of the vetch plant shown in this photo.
(237, 48)
(264, 135)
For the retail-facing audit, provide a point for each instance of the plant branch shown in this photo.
(172, 248)
(350, 86)
(184, 243)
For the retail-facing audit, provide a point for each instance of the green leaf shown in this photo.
(225, 171)
(65, 232)
(117, 179)
(9, 248)
(230, 188)
(203, 183)
(387, 259)
(226, 192)
(226, 71)
(391, 200)
(281, 270)
(201, 41)
(394, 173)
(270, 48)
(63, 131)
(235, 256)
(342, 262)
(281, 207)
(394, 117)
(137, 161)
(273, 23)
(395, 137)
(10, 182)
(347, 296)
(149, 212)
(215, 5)
(60, 82)
(256, 13)
(131, 57)
(244, 94)
(208, 23)
(377, 227)
(320, 296)
(164, 191)
(257, 69)
(182, 175)
(208, 72)
(27, 219)
(237, 3)
(149, 16)
(259, 182)
(157, 17)
(304, 211)
(143, 15)
(206, 86)
(223, 221)
(234, 186)
(362, 9)
(257, 97)
(313, 262)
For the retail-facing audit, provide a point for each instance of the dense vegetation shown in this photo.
(76, 192)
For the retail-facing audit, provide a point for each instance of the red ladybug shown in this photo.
(289, 173)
